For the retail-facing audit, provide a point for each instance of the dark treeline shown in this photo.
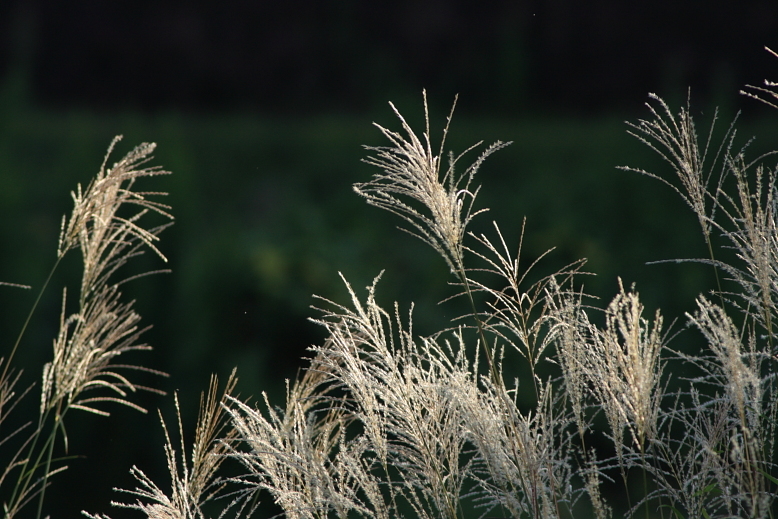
(299, 55)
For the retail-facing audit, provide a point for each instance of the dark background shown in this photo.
(260, 110)
(304, 57)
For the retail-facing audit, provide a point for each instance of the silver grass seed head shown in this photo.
(412, 170)
(103, 327)
(94, 218)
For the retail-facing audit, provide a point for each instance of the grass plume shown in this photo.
(387, 422)
(83, 373)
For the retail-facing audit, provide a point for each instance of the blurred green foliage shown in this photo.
(265, 217)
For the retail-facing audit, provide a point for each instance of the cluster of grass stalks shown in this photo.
(83, 372)
(388, 423)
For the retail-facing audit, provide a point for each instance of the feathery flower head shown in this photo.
(411, 169)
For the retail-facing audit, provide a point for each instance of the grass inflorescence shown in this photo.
(387, 423)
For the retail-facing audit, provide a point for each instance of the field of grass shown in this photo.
(265, 216)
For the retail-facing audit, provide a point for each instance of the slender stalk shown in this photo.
(645, 480)
(47, 469)
(715, 269)
(479, 324)
(30, 468)
(28, 318)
